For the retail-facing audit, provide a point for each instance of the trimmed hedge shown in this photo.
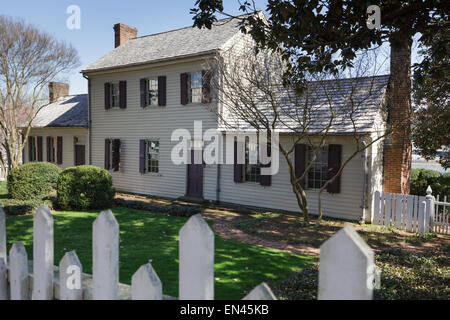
(33, 180)
(422, 178)
(172, 210)
(85, 188)
(13, 207)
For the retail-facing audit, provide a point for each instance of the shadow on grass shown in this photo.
(143, 236)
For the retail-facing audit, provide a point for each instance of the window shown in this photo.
(152, 156)
(33, 149)
(51, 150)
(195, 87)
(114, 94)
(317, 175)
(252, 170)
(152, 88)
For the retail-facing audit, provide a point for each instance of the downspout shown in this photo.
(89, 119)
(364, 191)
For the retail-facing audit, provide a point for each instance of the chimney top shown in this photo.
(57, 90)
(123, 33)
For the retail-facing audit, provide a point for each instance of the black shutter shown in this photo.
(48, 149)
(300, 162)
(142, 152)
(334, 164)
(162, 89)
(123, 94)
(206, 86)
(107, 96)
(39, 148)
(184, 88)
(116, 155)
(266, 180)
(238, 168)
(144, 93)
(107, 154)
(30, 149)
(59, 148)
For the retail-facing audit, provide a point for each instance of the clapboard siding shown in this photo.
(68, 135)
(280, 196)
(135, 123)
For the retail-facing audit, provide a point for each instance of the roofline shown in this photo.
(56, 127)
(138, 64)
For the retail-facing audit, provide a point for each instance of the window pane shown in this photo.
(195, 87)
(153, 156)
(317, 176)
(153, 92)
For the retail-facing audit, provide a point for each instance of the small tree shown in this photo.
(29, 60)
(254, 93)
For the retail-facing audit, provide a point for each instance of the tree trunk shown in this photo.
(398, 148)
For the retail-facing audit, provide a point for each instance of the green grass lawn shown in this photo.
(144, 236)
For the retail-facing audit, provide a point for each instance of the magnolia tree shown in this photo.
(29, 60)
(254, 94)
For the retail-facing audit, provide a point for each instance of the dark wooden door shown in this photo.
(80, 155)
(195, 175)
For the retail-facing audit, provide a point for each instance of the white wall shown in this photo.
(68, 135)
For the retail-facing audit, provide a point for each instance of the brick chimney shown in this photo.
(123, 33)
(57, 90)
(398, 147)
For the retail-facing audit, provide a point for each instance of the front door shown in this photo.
(80, 155)
(195, 175)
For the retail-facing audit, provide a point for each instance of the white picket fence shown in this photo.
(347, 269)
(411, 213)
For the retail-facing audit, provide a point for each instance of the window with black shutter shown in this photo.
(107, 96)
(123, 94)
(107, 154)
(184, 88)
(116, 154)
(39, 149)
(206, 86)
(238, 167)
(59, 150)
(334, 164)
(300, 162)
(266, 180)
(162, 91)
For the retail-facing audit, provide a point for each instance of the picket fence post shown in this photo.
(105, 260)
(422, 216)
(261, 292)
(43, 254)
(430, 210)
(3, 280)
(347, 268)
(3, 253)
(145, 284)
(18, 272)
(70, 282)
(196, 274)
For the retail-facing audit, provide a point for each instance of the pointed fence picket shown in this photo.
(345, 258)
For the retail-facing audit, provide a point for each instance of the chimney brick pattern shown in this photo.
(123, 33)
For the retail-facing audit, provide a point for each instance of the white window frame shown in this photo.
(317, 174)
(52, 150)
(152, 86)
(114, 95)
(198, 88)
(148, 154)
(255, 169)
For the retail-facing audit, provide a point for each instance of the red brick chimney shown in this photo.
(398, 147)
(57, 90)
(123, 33)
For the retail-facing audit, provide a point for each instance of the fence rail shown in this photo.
(347, 269)
(412, 213)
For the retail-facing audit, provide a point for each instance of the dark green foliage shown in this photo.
(172, 210)
(33, 180)
(422, 178)
(404, 275)
(14, 207)
(84, 188)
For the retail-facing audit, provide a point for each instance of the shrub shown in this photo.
(172, 210)
(13, 207)
(84, 188)
(422, 178)
(33, 180)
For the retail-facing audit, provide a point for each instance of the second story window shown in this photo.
(152, 99)
(195, 85)
(115, 94)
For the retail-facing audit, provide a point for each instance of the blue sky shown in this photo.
(96, 36)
